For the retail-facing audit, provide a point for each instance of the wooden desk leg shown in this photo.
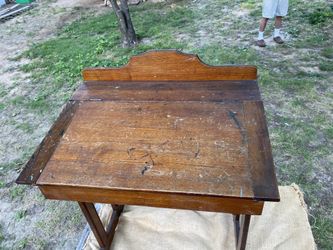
(242, 223)
(104, 238)
(111, 229)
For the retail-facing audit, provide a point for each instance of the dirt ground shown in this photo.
(16, 35)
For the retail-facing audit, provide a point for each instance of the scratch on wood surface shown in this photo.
(148, 165)
(129, 151)
(190, 59)
(145, 155)
(219, 144)
(164, 143)
(95, 99)
(177, 121)
(151, 159)
(197, 151)
(226, 173)
(233, 116)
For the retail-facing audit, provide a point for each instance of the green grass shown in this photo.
(329, 132)
(324, 230)
(3, 91)
(17, 192)
(18, 100)
(2, 237)
(20, 214)
(95, 41)
(327, 52)
(4, 167)
(25, 126)
(216, 55)
(326, 66)
(83, 43)
(320, 15)
(22, 244)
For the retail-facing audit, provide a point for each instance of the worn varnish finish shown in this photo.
(154, 199)
(164, 91)
(169, 65)
(179, 147)
(165, 130)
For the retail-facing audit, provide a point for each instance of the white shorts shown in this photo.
(272, 8)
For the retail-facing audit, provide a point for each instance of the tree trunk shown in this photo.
(125, 22)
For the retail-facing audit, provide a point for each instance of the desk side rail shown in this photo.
(36, 164)
(234, 205)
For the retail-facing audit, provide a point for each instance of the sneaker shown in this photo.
(261, 43)
(278, 40)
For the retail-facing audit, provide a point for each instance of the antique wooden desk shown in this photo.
(165, 130)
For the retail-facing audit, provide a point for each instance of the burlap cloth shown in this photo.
(283, 225)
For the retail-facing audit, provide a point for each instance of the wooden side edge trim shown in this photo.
(169, 65)
(34, 167)
(261, 163)
(153, 199)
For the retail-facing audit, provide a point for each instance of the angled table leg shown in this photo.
(103, 237)
(242, 223)
(117, 210)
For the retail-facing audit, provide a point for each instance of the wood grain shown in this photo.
(168, 91)
(166, 147)
(261, 163)
(204, 148)
(154, 199)
(169, 65)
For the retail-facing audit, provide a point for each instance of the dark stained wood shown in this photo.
(165, 130)
(264, 183)
(244, 221)
(181, 147)
(166, 147)
(168, 91)
(236, 226)
(95, 223)
(103, 236)
(38, 160)
(111, 230)
(154, 199)
(169, 65)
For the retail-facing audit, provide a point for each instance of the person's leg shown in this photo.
(262, 26)
(263, 23)
(281, 11)
(278, 24)
(268, 11)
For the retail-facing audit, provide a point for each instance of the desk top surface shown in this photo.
(188, 137)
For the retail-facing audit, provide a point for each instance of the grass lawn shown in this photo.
(295, 80)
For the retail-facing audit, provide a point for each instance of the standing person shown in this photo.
(271, 9)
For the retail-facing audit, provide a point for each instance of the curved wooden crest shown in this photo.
(169, 65)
